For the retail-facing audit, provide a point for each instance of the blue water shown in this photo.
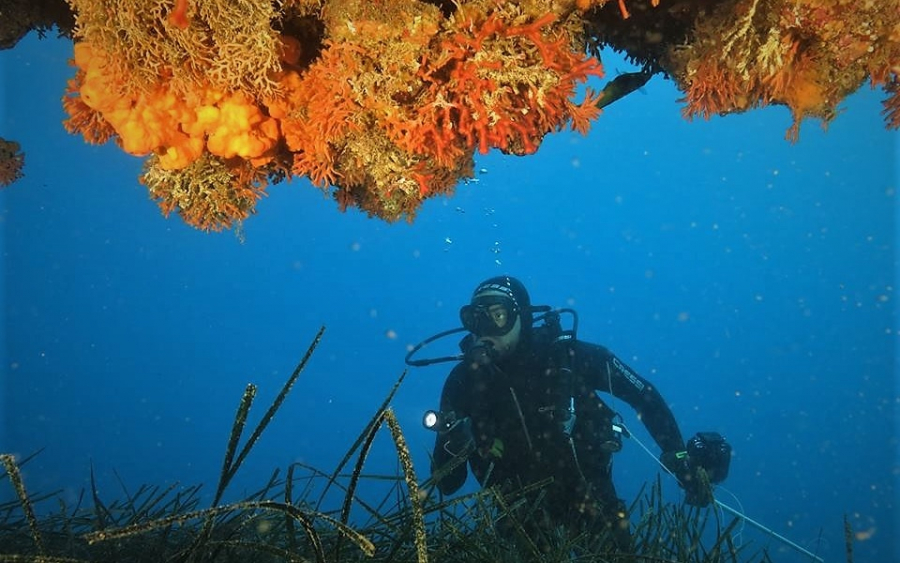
(751, 279)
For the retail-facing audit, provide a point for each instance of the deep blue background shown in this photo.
(752, 280)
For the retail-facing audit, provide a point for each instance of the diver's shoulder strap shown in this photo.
(547, 333)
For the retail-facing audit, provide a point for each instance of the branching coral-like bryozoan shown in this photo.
(230, 46)
(209, 193)
(805, 54)
(392, 112)
(384, 103)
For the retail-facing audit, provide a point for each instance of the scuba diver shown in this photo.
(521, 408)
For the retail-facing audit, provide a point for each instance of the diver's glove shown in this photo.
(692, 478)
(458, 439)
(494, 452)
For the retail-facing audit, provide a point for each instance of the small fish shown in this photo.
(622, 85)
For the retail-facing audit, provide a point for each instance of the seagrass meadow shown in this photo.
(288, 518)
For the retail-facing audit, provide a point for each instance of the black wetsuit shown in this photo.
(517, 403)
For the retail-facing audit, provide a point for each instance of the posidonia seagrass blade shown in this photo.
(415, 499)
(15, 477)
(276, 404)
(231, 464)
(374, 421)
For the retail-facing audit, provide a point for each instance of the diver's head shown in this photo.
(499, 316)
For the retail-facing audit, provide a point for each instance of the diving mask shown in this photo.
(489, 315)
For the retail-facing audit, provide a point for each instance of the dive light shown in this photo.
(437, 421)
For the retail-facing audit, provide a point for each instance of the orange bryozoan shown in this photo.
(383, 103)
(807, 55)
